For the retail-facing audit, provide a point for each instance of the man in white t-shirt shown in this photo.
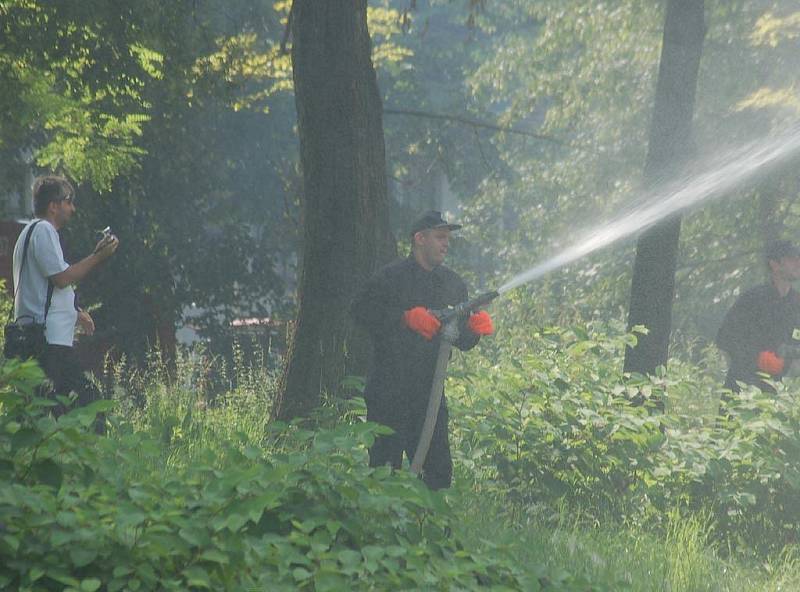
(46, 276)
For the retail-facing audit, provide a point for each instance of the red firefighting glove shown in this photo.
(770, 362)
(481, 323)
(420, 320)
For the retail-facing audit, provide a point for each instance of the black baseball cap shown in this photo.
(778, 249)
(430, 220)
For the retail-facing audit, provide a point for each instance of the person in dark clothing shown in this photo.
(394, 308)
(757, 332)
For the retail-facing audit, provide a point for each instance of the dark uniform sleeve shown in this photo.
(738, 335)
(376, 309)
(466, 338)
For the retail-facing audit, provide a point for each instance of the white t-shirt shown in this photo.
(44, 260)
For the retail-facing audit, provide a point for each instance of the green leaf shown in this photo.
(82, 557)
(86, 415)
(121, 571)
(12, 426)
(333, 526)
(64, 579)
(90, 585)
(252, 453)
(24, 438)
(60, 537)
(395, 551)
(48, 472)
(215, 556)
(6, 470)
(233, 522)
(129, 515)
(12, 541)
(329, 581)
(349, 558)
(299, 574)
(372, 552)
(69, 520)
(197, 576)
(255, 507)
(194, 536)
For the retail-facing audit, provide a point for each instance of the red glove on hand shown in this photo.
(420, 320)
(481, 323)
(770, 362)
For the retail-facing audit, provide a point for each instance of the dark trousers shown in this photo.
(62, 368)
(437, 471)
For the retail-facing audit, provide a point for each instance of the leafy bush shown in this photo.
(554, 423)
(300, 510)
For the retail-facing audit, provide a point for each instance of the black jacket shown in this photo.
(760, 320)
(404, 361)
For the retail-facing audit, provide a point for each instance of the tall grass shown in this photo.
(680, 558)
(202, 403)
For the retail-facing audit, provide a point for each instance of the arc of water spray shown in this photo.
(735, 168)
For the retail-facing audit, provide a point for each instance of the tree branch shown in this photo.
(471, 122)
(287, 31)
(486, 163)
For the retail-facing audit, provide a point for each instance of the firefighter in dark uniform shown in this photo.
(757, 332)
(395, 308)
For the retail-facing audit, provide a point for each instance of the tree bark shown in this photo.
(345, 201)
(670, 147)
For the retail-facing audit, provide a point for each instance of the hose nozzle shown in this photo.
(465, 308)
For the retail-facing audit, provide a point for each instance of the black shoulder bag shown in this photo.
(26, 339)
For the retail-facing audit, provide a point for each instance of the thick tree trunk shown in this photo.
(345, 202)
(670, 147)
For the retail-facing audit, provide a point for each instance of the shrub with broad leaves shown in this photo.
(551, 421)
(300, 510)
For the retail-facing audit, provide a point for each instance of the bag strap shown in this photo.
(17, 288)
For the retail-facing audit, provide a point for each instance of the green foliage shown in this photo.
(73, 80)
(390, 50)
(553, 423)
(184, 110)
(560, 483)
(138, 103)
(778, 31)
(682, 557)
(298, 510)
(199, 405)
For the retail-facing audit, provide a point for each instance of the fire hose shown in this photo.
(449, 318)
